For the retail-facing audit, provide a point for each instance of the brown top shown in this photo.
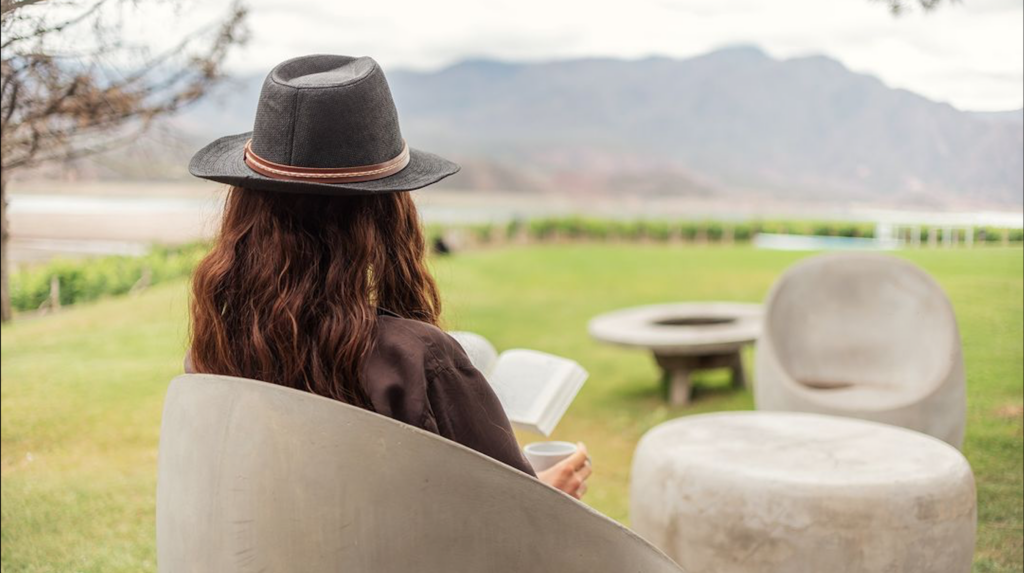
(419, 375)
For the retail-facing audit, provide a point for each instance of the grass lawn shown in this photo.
(82, 391)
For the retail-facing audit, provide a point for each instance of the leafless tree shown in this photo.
(899, 7)
(72, 84)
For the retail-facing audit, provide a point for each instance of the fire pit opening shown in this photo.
(695, 321)
(827, 384)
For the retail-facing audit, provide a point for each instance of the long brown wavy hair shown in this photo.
(290, 292)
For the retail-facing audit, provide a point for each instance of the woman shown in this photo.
(317, 280)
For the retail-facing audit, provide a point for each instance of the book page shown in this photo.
(571, 382)
(526, 381)
(480, 351)
(534, 388)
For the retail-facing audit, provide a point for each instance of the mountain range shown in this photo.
(733, 122)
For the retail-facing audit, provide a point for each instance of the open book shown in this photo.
(535, 388)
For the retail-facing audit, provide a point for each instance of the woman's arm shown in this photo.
(569, 475)
(467, 411)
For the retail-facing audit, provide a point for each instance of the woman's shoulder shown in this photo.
(419, 341)
(410, 361)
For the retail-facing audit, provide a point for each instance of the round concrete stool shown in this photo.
(792, 493)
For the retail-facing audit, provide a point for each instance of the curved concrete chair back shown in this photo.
(258, 477)
(866, 336)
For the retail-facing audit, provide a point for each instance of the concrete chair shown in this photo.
(866, 336)
(258, 477)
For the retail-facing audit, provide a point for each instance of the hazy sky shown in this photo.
(967, 53)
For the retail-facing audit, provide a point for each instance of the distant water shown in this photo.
(453, 209)
(43, 204)
(98, 205)
(817, 243)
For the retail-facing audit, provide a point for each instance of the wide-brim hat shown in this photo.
(327, 125)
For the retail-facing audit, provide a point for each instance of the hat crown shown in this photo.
(326, 112)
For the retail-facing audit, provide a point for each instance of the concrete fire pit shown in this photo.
(685, 337)
(782, 492)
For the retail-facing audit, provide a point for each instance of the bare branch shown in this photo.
(12, 5)
(900, 7)
(61, 101)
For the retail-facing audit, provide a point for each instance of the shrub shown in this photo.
(656, 230)
(598, 229)
(847, 230)
(572, 227)
(483, 232)
(714, 231)
(630, 230)
(742, 232)
(688, 230)
(988, 235)
(88, 279)
(541, 229)
(824, 229)
(513, 227)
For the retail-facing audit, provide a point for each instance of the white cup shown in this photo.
(543, 455)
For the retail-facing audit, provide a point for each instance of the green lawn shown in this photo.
(82, 391)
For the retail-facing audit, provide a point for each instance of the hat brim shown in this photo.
(224, 161)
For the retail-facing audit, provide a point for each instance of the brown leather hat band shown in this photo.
(326, 175)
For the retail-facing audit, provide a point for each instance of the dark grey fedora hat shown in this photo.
(327, 125)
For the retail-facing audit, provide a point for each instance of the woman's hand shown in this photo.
(569, 475)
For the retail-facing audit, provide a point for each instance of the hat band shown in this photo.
(326, 175)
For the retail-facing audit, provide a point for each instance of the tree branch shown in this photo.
(58, 105)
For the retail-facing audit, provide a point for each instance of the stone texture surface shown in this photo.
(867, 336)
(257, 477)
(684, 338)
(727, 327)
(746, 492)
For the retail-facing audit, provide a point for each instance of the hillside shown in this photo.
(734, 122)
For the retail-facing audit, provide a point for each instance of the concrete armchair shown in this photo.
(866, 336)
(257, 477)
